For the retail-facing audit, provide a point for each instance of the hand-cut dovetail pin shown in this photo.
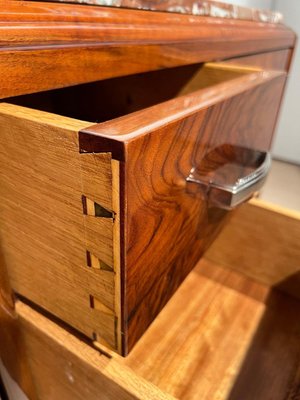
(98, 305)
(94, 262)
(95, 209)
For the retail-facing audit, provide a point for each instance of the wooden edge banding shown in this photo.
(275, 208)
(117, 134)
(43, 117)
(117, 250)
(223, 66)
(96, 24)
(90, 142)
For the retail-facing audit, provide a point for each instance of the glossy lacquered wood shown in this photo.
(159, 148)
(276, 60)
(72, 44)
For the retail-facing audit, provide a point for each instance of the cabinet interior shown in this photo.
(231, 331)
(222, 333)
(111, 98)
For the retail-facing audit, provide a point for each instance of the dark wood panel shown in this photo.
(168, 222)
(46, 46)
(277, 60)
(180, 225)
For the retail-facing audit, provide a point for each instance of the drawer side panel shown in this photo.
(47, 241)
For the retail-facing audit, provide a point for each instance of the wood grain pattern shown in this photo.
(66, 368)
(134, 274)
(97, 187)
(275, 60)
(69, 42)
(267, 239)
(222, 336)
(118, 251)
(12, 350)
(207, 342)
(172, 138)
(44, 231)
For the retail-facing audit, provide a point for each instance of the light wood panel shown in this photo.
(12, 350)
(66, 368)
(45, 234)
(262, 241)
(222, 336)
(97, 187)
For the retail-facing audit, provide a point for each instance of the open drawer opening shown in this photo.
(231, 331)
(108, 99)
(222, 336)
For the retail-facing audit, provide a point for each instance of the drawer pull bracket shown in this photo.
(230, 175)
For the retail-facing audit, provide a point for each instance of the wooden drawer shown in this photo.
(99, 223)
(223, 335)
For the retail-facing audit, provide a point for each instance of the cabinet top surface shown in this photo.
(194, 7)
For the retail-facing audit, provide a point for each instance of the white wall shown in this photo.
(264, 4)
(287, 139)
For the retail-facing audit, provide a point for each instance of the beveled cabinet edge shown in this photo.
(64, 36)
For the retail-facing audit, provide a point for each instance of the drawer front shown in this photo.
(169, 223)
(99, 224)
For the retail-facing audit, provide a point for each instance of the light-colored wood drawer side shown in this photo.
(60, 254)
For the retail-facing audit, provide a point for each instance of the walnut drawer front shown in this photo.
(99, 224)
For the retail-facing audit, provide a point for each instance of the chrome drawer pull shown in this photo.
(219, 174)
